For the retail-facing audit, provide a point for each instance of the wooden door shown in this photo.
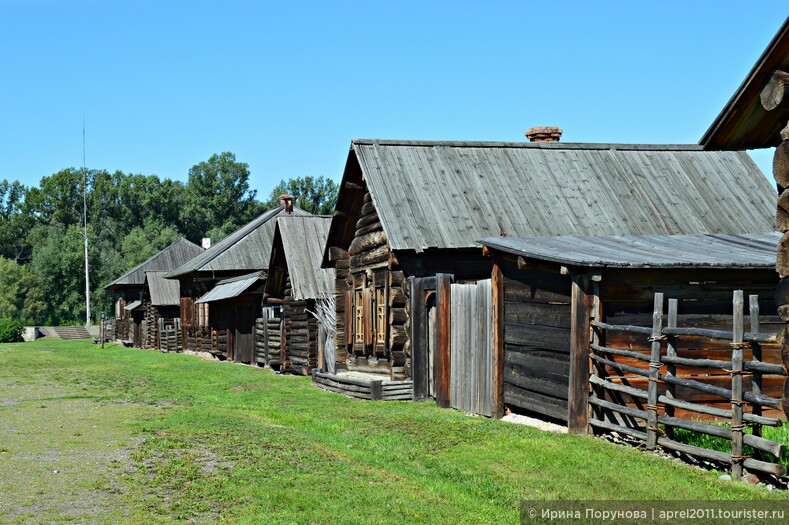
(244, 336)
(471, 347)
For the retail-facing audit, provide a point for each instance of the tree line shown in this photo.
(130, 217)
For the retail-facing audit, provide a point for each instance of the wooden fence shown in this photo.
(471, 348)
(666, 395)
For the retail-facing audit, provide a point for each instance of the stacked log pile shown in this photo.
(301, 333)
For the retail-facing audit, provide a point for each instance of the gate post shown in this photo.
(443, 353)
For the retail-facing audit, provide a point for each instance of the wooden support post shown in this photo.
(595, 411)
(671, 369)
(420, 352)
(442, 356)
(756, 351)
(376, 390)
(578, 392)
(497, 326)
(654, 372)
(737, 426)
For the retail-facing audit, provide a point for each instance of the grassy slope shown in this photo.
(221, 441)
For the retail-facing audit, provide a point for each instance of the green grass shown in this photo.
(145, 437)
(776, 434)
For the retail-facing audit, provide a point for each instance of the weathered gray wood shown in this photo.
(623, 328)
(737, 424)
(618, 428)
(367, 242)
(621, 366)
(578, 389)
(756, 353)
(722, 335)
(654, 372)
(617, 351)
(376, 390)
(723, 432)
(775, 93)
(671, 352)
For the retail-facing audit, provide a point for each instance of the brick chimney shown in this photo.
(544, 134)
(287, 200)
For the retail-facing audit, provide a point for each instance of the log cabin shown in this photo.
(756, 117)
(545, 290)
(144, 298)
(296, 281)
(409, 212)
(223, 323)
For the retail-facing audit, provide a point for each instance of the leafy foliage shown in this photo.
(130, 218)
(217, 194)
(10, 331)
(315, 195)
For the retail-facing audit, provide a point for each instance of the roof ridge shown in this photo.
(534, 145)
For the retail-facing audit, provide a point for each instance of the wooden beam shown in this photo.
(353, 186)
(337, 254)
(420, 367)
(774, 94)
(497, 289)
(578, 393)
(442, 355)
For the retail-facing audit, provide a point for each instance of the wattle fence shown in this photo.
(648, 392)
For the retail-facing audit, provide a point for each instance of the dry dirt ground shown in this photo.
(62, 454)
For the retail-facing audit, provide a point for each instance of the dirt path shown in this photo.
(62, 454)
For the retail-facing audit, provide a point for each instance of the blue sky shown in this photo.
(286, 85)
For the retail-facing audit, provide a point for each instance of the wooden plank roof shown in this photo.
(164, 292)
(744, 123)
(229, 288)
(166, 260)
(445, 195)
(246, 249)
(738, 251)
(303, 239)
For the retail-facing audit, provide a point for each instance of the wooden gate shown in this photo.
(471, 348)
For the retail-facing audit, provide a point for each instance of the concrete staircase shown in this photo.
(72, 332)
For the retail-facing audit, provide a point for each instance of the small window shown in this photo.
(380, 316)
(359, 319)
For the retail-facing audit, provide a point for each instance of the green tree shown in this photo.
(58, 198)
(146, 241)
(21, 297)
(217, 193)
(59, 259)
(15, 221)
(315, 195)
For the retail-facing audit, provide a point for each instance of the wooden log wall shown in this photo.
(342, 301)
(219, 342)
(151, 334)
(536, 342)
(301, 333)
(373, 269)
(781, 174)
(268, 334)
